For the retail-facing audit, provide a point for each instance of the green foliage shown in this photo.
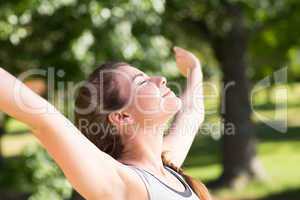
(76, 35)
(271, 29)
(14, 176)
(34, 173)
(47, 180)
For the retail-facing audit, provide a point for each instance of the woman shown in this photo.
(122, 153)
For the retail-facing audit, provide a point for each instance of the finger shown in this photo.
(179, 55)
(179, 58)
(180, 50)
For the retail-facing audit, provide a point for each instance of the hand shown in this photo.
(185, 60)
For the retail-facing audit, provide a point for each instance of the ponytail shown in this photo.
(198, 187)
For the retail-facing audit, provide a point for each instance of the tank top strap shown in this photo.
(176, 174)
(143, 176)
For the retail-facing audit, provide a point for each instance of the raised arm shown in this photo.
(189, 119)
(90, 171)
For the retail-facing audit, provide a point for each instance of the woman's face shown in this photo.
(150, 101)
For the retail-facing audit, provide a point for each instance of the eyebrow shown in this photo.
(137, 75)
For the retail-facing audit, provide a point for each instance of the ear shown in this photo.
(120, 118)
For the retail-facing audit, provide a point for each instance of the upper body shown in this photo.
(137, 107)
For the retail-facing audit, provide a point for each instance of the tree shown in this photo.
(77, 35)
(74, 36)
(232, 29)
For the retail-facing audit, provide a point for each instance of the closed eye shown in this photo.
(142, 82)
(142, 79)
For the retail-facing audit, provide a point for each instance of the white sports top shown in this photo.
(158, 190)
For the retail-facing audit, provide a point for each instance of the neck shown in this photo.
(144, 148)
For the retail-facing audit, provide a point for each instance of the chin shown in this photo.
(167, 108)
(171, 104)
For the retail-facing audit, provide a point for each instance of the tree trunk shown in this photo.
(238, 142)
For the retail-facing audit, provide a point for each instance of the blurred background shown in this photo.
(254, 44)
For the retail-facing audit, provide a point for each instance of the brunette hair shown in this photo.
(97, 127)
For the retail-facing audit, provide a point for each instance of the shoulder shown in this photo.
(132, 184)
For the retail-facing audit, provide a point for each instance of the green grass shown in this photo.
(278, 152)
(280, 157)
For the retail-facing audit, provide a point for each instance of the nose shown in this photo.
(162, 81)
(159, 80)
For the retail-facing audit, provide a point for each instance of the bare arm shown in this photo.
(90, 171)
(189, 119)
